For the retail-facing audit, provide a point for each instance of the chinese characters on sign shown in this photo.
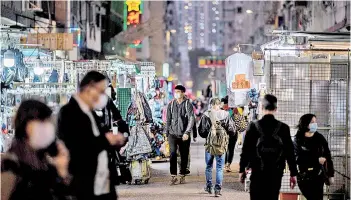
(132, 17)
(212, 62)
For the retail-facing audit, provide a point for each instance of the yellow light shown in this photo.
(249, 11)
(173, 31)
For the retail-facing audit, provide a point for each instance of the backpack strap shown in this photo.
(260, 131)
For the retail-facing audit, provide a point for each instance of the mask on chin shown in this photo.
(101, 103)
(43, 135)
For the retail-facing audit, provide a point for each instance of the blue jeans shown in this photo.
(219, 169)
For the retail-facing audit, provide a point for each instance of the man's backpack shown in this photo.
(218, 139)
(269, 148)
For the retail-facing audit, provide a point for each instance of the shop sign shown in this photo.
(52, 41)
(212, 62)
(133, 11)
(258, 69)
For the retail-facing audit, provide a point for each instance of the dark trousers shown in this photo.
(183, 146)
(264, 185)
(231, 147)
(312, 189)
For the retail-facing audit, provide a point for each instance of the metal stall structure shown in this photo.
(315, 81)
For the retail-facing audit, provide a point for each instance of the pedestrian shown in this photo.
(189, 157)
(180, 122)
(106, 115)
(88, 146)
(267, 147)
(313, 159)
(215, 125)
(29, 170)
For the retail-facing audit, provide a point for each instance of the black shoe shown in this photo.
(187, 172)
(218, 193)
(208, 189)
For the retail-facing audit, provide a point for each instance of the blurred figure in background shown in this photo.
(87, 144)
(27, 170)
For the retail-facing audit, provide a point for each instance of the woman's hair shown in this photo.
(90, 78)
(304, 123)
(215, 101)
(28, 111)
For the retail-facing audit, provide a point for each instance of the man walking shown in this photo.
(267, 147)
(180, 122)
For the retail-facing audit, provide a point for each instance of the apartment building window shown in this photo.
(230, 24)
(240, 10)
(97, 16)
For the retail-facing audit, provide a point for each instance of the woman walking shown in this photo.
(313, 159)
(27, 171)
(215, 125)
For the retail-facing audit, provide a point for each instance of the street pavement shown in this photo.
(159, 188)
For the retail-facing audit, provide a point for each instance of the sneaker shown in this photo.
(218, 193)
(227, 168)
(174, 180)
(182, 179)
(208, 189)
(187, 172)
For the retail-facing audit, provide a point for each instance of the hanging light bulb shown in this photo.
(9, 58)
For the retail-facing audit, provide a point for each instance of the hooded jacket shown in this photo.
(221, 115)
(180, 118)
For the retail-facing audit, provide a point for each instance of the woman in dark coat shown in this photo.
(313, 158)
(27, 171)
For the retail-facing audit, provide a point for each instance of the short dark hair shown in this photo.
(225, 100)
(90, 78)
(180, 87)
(269, 102)
(30, 110)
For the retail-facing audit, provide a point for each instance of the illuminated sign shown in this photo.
(212, 62)
(133, 11)
(76, 36)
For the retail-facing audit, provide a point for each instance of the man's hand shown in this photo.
(114, 140)
(331, 180)
(185, 137)
(322, 160)
(292, 182)
(242, 177)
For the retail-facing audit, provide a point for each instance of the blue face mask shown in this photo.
(313, 127)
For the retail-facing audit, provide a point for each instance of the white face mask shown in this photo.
(102, 102)
(43, 135)
(177, 95)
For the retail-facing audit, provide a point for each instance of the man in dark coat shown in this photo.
(88, 147)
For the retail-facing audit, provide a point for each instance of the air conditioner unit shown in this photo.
(34, 6)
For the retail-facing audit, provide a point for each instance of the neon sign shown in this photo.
(133, 10)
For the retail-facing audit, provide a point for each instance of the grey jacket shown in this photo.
(180, 118)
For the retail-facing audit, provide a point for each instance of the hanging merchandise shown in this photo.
(239, 73)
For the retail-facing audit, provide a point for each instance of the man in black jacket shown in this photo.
(87, 146)
(180, 122)
(266, 179)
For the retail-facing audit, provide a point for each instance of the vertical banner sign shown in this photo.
(133, 11)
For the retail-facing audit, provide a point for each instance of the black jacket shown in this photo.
(226, 121)
(75, 129)
(249, 157)
(309, 150)
(180, 118)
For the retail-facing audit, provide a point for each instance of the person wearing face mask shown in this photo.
(179, 126)
(27, 170)
(87, 143)
(213, 117)
(106, 114)
(313, 159)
